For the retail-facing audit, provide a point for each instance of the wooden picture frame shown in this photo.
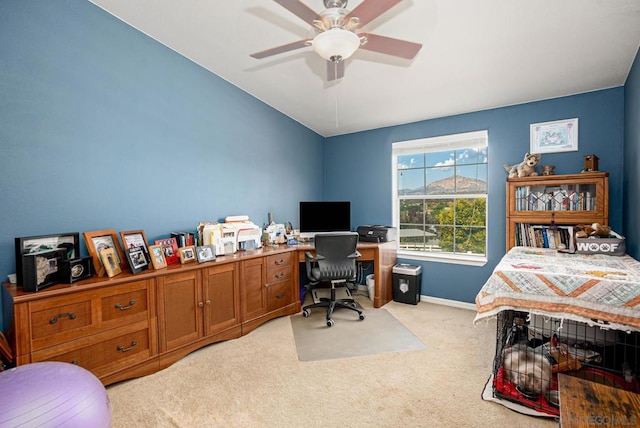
(135, 238)
(109, 258)
(187, 254)
(554, 137)
(170, 247)
(98, 240)
(34, 244)
(205, 253)
(158, 260)
(137, 259)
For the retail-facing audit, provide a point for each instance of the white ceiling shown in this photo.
(476, 54)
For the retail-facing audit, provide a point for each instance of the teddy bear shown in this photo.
(525, 168)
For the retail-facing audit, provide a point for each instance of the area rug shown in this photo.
(378, 333)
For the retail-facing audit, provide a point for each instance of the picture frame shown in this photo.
(77, 269)
(170, 247)
(42, 269)
(187, 254)
(158, 260)
(98, 240)
(135, 238)
(108, 256)
(137, 259)
(554, 137)
(205, 253)
(34, 244)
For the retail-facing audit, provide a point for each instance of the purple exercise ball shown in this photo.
(52, 394)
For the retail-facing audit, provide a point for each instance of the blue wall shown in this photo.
(631, 201)
(102, 127)
(363, 160)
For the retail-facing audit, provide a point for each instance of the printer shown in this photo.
(377, 233)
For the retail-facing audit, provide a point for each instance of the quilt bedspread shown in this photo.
(595, 289)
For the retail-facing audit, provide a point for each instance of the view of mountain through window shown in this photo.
(441, 195)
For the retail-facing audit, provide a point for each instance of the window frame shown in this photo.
(475, 139)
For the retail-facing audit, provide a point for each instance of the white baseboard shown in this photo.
(447, 302)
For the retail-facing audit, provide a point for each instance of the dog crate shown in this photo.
(531, 350)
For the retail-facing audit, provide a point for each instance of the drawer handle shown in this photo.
(280, 295)
(280, 262)
(124, 308)
(279, 275)
(121, 348)
(54, 320)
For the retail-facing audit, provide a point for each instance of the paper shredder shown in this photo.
(406, 283)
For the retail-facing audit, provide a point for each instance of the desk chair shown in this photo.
(334, 262)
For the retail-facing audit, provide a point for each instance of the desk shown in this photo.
(384, 257)
(584, 403)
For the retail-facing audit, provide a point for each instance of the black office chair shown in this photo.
(334, 262)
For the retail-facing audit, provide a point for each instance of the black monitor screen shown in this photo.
(329, 216)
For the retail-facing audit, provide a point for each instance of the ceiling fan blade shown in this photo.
(369, 10)
(335, 70)
(281, 49)
(390, 46)
(300, 10)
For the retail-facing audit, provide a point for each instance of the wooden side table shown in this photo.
(589, 404)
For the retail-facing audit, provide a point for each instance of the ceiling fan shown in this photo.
(337, 33)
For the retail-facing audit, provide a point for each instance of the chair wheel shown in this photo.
(306, 313)
(354, 304)
(361, 317)
(329, 323)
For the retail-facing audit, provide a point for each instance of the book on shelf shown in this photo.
(542, 236)
(184, 239)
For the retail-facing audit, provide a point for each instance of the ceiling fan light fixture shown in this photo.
(336, 44)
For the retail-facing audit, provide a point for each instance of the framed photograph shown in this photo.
(554, 137)
(42, 269)
(158, 261)
(97, 241)
(205, 253)
(109, 261)
(187, 254)
(137, 259)
(70, 242)
(133, 239)
(73, 270)
(170, 247)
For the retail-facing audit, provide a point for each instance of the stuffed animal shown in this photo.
(525, 168)
(595, 229)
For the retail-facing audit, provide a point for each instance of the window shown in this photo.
(440, 197)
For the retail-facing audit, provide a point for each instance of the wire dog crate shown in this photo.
(531, 350)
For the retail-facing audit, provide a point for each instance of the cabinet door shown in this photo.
(179, 311)
(253, 293)
(221, 286)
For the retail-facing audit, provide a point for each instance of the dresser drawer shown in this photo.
(102, 357)
(278, 295)
(61, 317)
(279, 274)
(277, 261)
(124, 305)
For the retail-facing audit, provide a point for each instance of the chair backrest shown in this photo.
(337, 251)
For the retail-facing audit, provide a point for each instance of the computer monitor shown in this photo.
(324, 216)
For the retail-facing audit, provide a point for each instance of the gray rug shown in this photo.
(378, 333)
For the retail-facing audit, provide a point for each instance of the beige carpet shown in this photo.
(379, 332)
(258, 381)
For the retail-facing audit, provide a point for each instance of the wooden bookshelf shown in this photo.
(566, 199)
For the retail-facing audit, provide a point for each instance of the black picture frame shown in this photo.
(73, 270)
(42, 269)
(137, 259)
(26, 245)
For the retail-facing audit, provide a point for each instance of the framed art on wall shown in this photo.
(70, 242)
(99, 240)
(553, 137)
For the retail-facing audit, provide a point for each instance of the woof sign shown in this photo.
(610, 246)
(594, 247)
